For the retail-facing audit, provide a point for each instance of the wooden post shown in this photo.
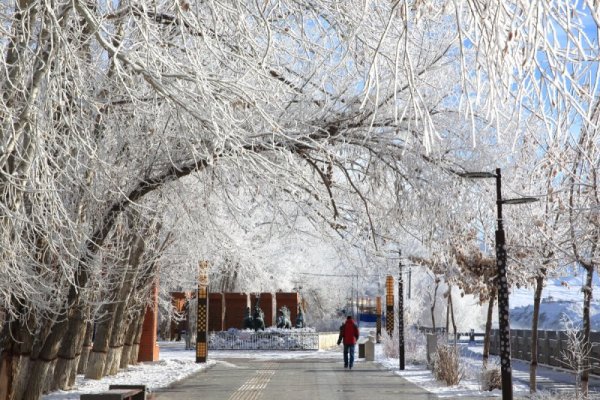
(202, 321)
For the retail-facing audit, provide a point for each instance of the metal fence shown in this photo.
(244, 340)
(552, 347)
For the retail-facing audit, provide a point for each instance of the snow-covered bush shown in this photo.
(269, 339)
(390, 344)
(446, 366)
(491, 379)
(577, 356)
(414, 345)
(566, 395)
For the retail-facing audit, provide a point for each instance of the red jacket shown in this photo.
(349, 331)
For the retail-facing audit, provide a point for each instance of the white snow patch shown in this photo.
(175, 364)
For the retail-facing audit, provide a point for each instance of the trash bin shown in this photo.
(361, 350)
(370, 349)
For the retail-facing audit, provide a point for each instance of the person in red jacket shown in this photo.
(349, 335)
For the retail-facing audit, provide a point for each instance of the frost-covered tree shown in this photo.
(581, 200)
(105, 104)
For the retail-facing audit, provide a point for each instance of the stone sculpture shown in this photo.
(283, 318)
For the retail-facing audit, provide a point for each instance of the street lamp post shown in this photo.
(400, 313)
(503, 292)
(503, 306)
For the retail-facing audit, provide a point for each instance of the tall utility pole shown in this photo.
(400, 311)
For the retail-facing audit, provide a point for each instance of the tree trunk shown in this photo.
(137, 248)
(9, 359)
(133, 336)
(437, 285)
(126, 357)
(14, 360)
(586, 345)
(85, 348)
(42, 365)
(30, 348)
(138, 336)
(70, 351)
(6, 374)
(488, 328)
(115, 347)
(49, 383)
(21, 361)
(537, 299)
(451, 305)
(98, 361)
(97, 356)
(448, 315)
(20, 370)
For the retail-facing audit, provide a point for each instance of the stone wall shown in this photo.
(216, 312)
(235, 305)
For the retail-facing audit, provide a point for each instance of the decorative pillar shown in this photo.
(149, 350)
(202, 320)
(389, 305)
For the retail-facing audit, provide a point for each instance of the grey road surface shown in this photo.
(292, 379)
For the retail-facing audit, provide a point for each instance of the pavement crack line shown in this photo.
(253, 388)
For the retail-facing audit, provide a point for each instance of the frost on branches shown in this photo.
(338, 117)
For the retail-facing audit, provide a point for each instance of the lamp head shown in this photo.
(477, 174)
(520, 200)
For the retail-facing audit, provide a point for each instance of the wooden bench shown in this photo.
(118, 392)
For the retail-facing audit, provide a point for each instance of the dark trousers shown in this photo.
(348, 355)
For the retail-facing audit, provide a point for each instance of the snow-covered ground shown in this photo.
(176, 363)
(568, 288)
(553, 314)
(562, 298)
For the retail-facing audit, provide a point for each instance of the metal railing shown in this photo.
(244, 340)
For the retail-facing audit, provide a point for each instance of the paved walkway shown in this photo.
(548, 378)
(292, 379)
(552, 379)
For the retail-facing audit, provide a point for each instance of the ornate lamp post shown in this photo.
(503, 306)
(400, 313)
(390, 305)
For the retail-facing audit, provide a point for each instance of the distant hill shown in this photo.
(552, 313)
